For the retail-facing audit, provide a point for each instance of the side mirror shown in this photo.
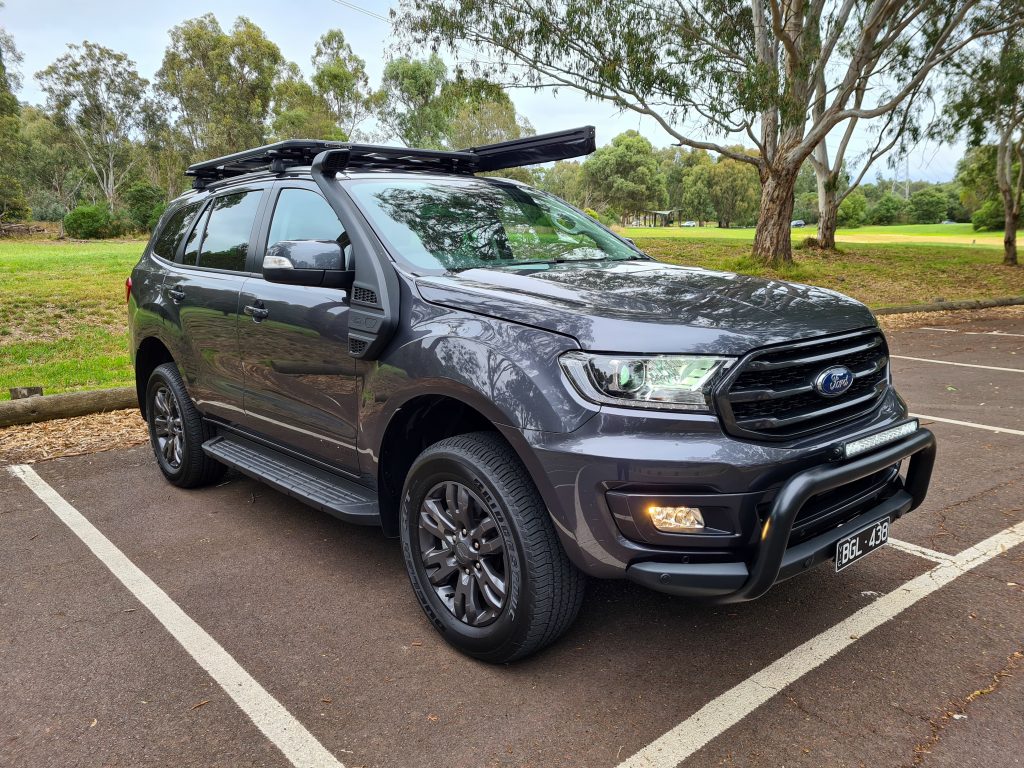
(307, 262)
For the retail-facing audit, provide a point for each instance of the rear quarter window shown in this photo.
(177, 224)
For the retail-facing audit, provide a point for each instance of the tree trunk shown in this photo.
(828, 207)
(1010, 237)
(772, 244)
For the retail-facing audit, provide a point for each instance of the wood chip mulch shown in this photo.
(29, 443)
(917, 319)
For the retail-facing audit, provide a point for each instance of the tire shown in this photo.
(509, 540)
(177, 431)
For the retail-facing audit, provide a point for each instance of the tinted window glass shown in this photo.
(167, 242)
(195, 237)
(226, 239)
(465, 223)
(301, 214)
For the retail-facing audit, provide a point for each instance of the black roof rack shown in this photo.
(491, 157)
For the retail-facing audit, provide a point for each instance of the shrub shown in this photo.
(853, 211)
(91, 222)
(144, 203)
(888, 210)
(928, 206)
(990, 216)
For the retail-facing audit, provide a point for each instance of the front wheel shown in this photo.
(482, 554)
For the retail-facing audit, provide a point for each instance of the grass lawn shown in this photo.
(63, 316)
(932, 234)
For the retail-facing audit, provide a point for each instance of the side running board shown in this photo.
(317, 487)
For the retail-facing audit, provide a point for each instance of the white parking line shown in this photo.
(277, 723)
(723, 712)
(1005, 430)
(914, 549)
(961, 365)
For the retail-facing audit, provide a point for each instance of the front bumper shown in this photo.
(774, 560)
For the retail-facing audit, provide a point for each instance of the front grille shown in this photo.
(771, 393)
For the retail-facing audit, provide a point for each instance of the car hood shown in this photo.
(650, 307)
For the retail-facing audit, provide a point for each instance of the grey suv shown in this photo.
(517, 393)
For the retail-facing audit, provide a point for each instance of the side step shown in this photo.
(317, 487)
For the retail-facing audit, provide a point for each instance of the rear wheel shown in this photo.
(482, 554)
(177, 431)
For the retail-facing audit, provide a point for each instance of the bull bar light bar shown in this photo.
(851, 448)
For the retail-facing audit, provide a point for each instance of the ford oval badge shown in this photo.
(834, 381)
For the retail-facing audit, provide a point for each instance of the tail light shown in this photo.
(128, 290)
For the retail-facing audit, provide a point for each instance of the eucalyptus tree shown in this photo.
(99, 97)
(13, 205)
(219, 85)
(340, 78)
(743, 69)
(985, 101)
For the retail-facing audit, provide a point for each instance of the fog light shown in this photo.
(676, 519)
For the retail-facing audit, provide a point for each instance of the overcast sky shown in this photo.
(42, 28)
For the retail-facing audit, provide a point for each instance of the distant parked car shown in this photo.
(949, 221)
(796, 224)
(689, 223)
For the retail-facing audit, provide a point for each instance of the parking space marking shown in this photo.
(1005, 430)
(961, 365)
(725, 711)
(914, 549)
(297, 744)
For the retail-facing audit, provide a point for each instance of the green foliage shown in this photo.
(411, 107)
(98, 95)
(853, 211)
(806, 207)
(340, 80)
(219, 85)
(928, 206)
(144, 204)
(625, 174)
(13, 205)
(890, 209)
(990, 216)
(300, 112)
(734, 190)
(52, 166)
(93, 222)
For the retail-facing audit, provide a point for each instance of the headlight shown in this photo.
(673, 382)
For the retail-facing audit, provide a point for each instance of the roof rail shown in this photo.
(278, 157)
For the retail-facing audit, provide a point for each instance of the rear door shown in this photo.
(300, 387)
(202, 290)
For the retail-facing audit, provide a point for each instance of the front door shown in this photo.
(300, 387)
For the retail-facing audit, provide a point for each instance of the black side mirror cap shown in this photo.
(307, 262)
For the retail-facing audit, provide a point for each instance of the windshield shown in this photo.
(456, 224)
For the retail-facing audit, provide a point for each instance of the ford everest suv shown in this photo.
(517, 393)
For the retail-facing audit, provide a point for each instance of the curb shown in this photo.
(45, 407)
(942, 306)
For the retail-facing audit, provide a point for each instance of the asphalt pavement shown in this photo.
(911, 657)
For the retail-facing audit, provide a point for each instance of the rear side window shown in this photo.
(167, 242)
(225, 234)
(301, 214)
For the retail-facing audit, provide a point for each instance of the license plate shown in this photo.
(858, 544)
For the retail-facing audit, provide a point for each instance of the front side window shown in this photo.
(301, 214)
(170, 237)
(456, 224)
(225, 238)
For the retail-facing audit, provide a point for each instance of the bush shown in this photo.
(853, 211)
(92, 222)
(990, 216)
(144, 204)
(928, 206)
(888, 210)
